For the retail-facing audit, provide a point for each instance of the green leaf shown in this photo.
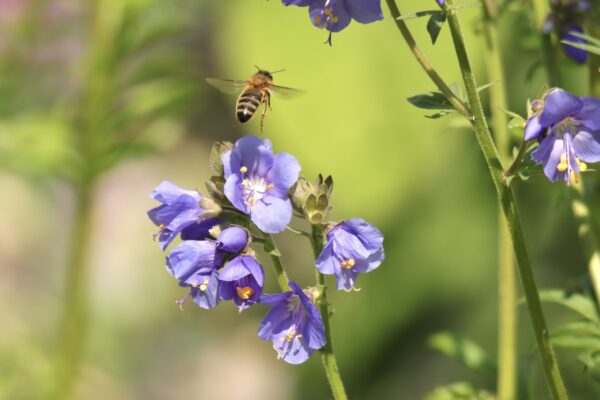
(460, 6)
(580, 304)
(487, 85)
(583, 46)
(417, 15)
(440, 114)
(435, 24)
(464, 351)
(431, 101)
(459, 391)
(590, 39)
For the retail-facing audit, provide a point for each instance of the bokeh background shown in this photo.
(111, 93)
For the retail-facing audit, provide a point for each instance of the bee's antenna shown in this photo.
(256, 66)
(279, 70)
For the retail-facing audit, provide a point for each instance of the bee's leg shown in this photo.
(262, 115)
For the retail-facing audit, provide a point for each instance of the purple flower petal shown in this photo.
(167, 193)
(235, 194)
(209, 297)
(192, 257)
(548, 154)
(277, 316)
(233, 239)
(299, 3)
(283, 173)
(370, 236)
(533, 129)
(559, 105)
(590, 113)
(250, 152)
(200, 231)
(234, 270)
(331, 15)
(587, 146)
(271, 214)
(364, 11)
(580, 56)
(327, 263)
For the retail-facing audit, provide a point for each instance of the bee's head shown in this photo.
(265, 73)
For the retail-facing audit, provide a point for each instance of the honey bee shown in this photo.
(256, 90)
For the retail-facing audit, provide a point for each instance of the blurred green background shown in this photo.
(111, 93)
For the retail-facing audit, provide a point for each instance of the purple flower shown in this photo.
(233, 239)
(242, 280)
(194, 263)
(335, 15)
(567, 17)
(257, 182)
(568, 128)
(441, 2)
(353, 246)
(293, 324)
(180, 210)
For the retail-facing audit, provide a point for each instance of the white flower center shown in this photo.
(254, 188)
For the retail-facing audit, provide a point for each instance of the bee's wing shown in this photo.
(227, 85)
(286, 92)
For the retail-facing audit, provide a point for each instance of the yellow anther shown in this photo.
(244, 293)
(245, 182)
(204, 285)
(270, 186)
(334, 19)
(563, 158)
(582, 166)
(161, 227)
(290, 336)
(328, 11)
(574, 177)
(347, 264)
(562, 166)
(318, 20)
(244, 169)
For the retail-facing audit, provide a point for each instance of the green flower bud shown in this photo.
(312, 199)
(217, 150)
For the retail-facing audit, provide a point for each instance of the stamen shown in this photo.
(581, 164)
(244, 169)
(204, 285)
(563, 165)
(244, 293)
(347, 264)
(270, 186)
(574, 178)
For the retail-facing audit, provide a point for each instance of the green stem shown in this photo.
(73, 328)
(282, 278)
(457, 103)
(587, 237)
(327, 355)
(594, 64)
(509, 208)
(549, 55)
(507, 296)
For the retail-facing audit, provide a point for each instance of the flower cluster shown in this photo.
(335, 15)
(568, 129)
(565, 19)
(254, 195)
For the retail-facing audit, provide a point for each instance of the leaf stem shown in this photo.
(507, 296)
(509, 208)
(282, 278)
(456, 102)
(327, 356)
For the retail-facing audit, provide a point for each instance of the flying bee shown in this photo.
(256, 90)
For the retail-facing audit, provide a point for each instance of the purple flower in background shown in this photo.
(293, 324)
(257, 182)
(194, 263)
(441, 2)
(242, 280)
(568, 128)
(353, 246)
(335, 15)
(180, 209)
(566, 18)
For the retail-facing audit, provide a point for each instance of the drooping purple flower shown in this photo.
(335, 15)
(242, 280)
(179, 210)
(353, 246)
(257, 182)
(293, 324)
(194, 263)
(566, 17)
(568, 128)
(233, 239)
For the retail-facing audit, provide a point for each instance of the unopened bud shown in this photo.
(217, 151)
(210, 207)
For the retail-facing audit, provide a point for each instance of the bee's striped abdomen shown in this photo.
(247, 104)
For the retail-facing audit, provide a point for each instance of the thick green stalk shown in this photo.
(507, 296)
(549, 56)
(457, 103)
(327, 355)
(74, 319)
(587, 237)
(509, 208)
(282, 278)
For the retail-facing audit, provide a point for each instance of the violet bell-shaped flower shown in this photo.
(242, 279)
(293, 324)
(353, 246)
(568, 128)
(180, 212)
(335, 15)
(257, 182)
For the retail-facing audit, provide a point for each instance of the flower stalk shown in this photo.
(509, 208)
(507, 296)
(327, 356)
(549, 56)
(282, 277)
